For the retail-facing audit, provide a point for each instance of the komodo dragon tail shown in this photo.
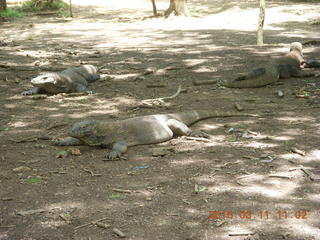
(190, 117)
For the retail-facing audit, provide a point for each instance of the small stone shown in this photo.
(75, 151)
(280, 93)
(62, 154)
(238, 107)
(21, 169)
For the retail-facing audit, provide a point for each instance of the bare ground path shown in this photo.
(248, 172)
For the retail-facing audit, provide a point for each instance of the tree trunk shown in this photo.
(154, 7)
(70, 8)
(3, 5)
(178, 7)
(261, 22)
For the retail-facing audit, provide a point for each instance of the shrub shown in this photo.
(42, 5)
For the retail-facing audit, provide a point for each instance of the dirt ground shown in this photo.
(256, 178)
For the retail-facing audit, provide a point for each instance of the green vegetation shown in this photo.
(33, 180)
(10, 13)
(36, 6)
(41, 5)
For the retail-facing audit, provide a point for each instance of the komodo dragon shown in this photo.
(140, 130)
(282, 67)
(73, 79)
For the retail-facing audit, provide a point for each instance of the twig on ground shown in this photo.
(91, 223)
(240, 233)
(122, 190)
(92, 173)
(9, 226)
(161, 99)
(198, 139)
(298, 151)
(279, 176)
(118, 233)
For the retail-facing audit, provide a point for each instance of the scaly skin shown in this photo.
(73, 79)
(281, 67)
(141, 130)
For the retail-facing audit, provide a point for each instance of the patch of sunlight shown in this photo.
(209, 127)
(46, 108)
(259, 145)
(208, 179)
(314, 197)
(38, 54)
(257, 184)
(293, 132)
(290, 156)
(190, 161)
(275, 191)
(312, 156)
(17, 132)
(282, 138)
(295, 118)
(144, 193)
(233, 19)
(163, 221)
(193, 224)
(64, 205)
(122, 4)
(315, 155)
(123, 76)
(20, 124)
(11, 105)
(300, 226)
(237, 228)
(4, 235)
(52, 224)
(204, 69)
(194, 62)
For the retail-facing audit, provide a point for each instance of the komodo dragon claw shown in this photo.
(117, 150)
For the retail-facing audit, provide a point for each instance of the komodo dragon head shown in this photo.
(296, 46)
(88, 131)
(50, 82)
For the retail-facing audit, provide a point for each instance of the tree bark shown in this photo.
(3, 5)
(261, 22)
(178, 7)
(154, 7)
(70, 8)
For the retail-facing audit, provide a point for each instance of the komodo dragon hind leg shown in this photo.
(83, 89)
(117, 150)
(179, 128)
(251, 75)
(68, 141)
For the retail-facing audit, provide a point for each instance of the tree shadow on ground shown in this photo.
(229, 171)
